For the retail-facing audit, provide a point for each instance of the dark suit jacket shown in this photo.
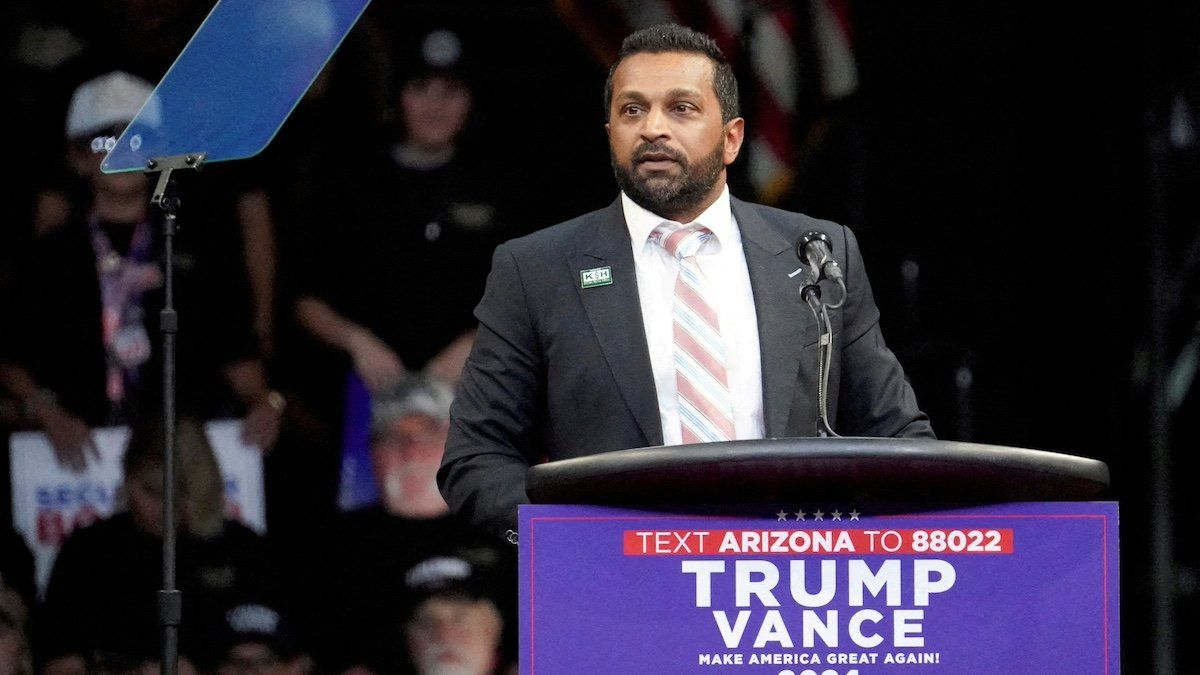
(561, 371)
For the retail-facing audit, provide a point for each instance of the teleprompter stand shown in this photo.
(228, 93)
(165, 197)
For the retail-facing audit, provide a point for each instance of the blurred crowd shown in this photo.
(316, 269)
(344, 262)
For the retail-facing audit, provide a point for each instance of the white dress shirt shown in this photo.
(727, 290)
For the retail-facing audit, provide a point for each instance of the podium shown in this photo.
(831, 556)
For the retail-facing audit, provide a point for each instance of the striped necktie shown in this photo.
(705, 405)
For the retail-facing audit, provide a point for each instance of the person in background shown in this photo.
(17, 597)
(410, 523)
(255, 639)
(15, 658)
(391, 263)
(455, 623)
(83, 347)
(100, 608)
(143, 38)
(402, 260)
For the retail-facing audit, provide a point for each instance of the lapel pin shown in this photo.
(597, 276)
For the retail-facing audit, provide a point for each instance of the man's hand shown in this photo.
(375, 362)
(260, 427)
(264, 406)
(447, 366)
(71, 437)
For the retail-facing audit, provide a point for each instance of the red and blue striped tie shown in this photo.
(705, 405)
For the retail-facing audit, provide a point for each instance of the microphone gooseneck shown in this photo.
(815, 250)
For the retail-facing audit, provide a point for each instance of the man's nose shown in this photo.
(442, 631)
(656, 125)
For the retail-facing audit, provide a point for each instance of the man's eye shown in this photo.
(684, 107)
(631, 110)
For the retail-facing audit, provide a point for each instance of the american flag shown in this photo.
(791, 58)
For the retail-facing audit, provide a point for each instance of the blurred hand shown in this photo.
(375, 362)
(70, 436)
(260, 426)
(447, 366)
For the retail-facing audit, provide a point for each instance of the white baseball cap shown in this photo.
(108, 101)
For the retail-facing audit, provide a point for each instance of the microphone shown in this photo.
(814, 248)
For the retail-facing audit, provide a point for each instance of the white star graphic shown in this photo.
(800, 515)
(819, 515)
(837, 515)
(854, 515)
(782, 515)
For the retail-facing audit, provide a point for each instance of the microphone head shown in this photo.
(803, 243)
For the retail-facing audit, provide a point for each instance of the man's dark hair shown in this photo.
(672, 37)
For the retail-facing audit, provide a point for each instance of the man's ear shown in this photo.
(734, 134)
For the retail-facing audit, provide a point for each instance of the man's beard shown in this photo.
(669, 196)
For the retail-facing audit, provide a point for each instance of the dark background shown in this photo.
(1029, 224)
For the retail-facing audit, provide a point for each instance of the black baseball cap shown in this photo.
(437, 52)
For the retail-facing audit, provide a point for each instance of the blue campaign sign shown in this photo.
(1006, 588)
(237, 80)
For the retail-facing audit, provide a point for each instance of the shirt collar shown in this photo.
(717, 217)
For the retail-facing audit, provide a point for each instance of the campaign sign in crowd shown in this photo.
(50, 500)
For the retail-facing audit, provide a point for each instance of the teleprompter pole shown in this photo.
(170, 600)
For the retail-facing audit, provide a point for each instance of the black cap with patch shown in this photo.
(439, 52)
(463, 573)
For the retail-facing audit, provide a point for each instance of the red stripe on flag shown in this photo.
(774, 126)
(841, 12)
(787, 20)
(599, 25)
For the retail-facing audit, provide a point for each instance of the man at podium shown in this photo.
(670, 316)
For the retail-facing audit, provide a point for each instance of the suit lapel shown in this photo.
(784, 323)
(615, 312)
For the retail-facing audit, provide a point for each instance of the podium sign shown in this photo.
(1019, 587)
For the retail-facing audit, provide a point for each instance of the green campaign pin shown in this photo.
(598, 276)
